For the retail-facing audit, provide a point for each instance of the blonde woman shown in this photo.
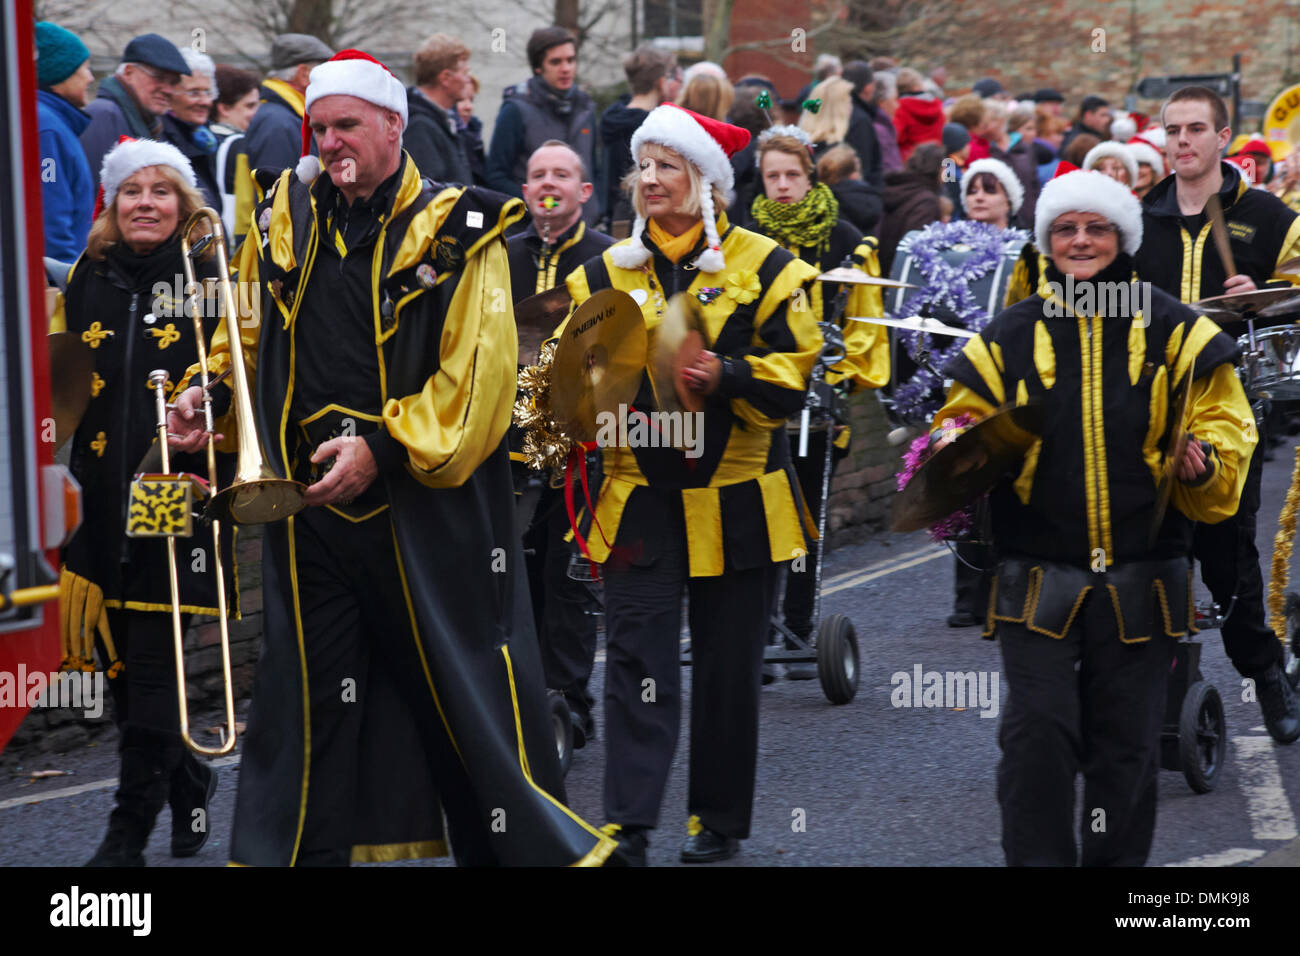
(829, 124)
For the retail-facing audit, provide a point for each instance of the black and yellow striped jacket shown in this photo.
(1086, 490)
(739, 497)
(534, 268)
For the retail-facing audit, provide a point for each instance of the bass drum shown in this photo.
(1273, 368)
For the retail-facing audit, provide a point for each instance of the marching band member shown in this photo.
(115, 590)
(1180, 257)
(1085, 608)
(803, 217)
(399, 676)
(555, 243)
(714, 526)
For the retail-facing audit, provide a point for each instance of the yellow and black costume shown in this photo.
(114, 590)
(565, 629)
(865, 365)
(1179, 257)
(1085, 610)
(399, 668)
(714, 526)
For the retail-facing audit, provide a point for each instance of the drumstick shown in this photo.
(1220, 232)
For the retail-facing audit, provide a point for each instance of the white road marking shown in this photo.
(928, 554)
(80, 788)
(1261, 784)
(1222, 858)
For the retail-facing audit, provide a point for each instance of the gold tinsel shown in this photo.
(546, 446)
(1282, 544)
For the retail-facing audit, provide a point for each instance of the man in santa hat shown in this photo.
(399, 678)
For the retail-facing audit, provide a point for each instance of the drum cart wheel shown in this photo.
(562, 727)
(837, 659)
(1194, 737)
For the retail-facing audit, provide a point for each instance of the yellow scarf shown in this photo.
(291, 96)
(674, 247)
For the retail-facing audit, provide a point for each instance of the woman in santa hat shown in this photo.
(125, 302)
(712, 523)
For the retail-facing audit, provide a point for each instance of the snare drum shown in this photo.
(1274, 366)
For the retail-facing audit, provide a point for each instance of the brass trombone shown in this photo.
(257, 494)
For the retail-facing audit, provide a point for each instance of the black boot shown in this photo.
(192, 785)
(147, 760)
(1278, 702)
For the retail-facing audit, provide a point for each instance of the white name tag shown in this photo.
(474, 220)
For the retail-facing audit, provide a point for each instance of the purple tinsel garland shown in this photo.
(947, 284)
(959, 522)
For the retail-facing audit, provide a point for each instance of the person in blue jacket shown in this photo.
(67, 187)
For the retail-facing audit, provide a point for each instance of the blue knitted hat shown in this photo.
(58, 53)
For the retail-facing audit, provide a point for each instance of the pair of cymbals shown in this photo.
(918, 323)
(968, 466)
(858, 277)
(599, 360)
(537, 317)
(72, 373)
(1267, 303)
(678, 341)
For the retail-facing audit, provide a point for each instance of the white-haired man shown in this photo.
(399, 668)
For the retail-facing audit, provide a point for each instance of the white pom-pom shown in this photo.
(711, 260)
(308, 169)
(631, 256)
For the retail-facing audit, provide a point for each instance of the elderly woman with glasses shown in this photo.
(1093, 580)
(185, 124)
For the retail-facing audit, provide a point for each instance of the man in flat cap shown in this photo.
(274, 137)
(131, 101)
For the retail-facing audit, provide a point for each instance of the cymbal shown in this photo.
(1266, 302)
(678, 342)
(918, 323)
(72, 370)
(1173, 458)
(536, 317)
(969, 466)
(598, 363)
(1291, 266)
(858, 277)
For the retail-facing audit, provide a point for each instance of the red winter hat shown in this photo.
(1255, 145)
(348, 73)
(1063, 167)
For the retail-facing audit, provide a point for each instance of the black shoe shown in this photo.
(584, 728)
(148, 759)
(192, 786)
(118, 848)
(963, 619)
(632, 843)
(707, 846)
(1278, 702)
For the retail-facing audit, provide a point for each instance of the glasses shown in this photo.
(162, 76)
(1094, 230)
(195, 94)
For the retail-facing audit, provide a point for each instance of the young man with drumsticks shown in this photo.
(1180, 256)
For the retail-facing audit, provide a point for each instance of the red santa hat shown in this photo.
(130, 156)
(706, 144)
(1115, 151)
(348, 73)
(1147, 153)
(1089, 191)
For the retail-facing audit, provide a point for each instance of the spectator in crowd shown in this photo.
(829, 124)
(990, 89)
(935, 82)
(1150, 161)
(704, 67)
(548, 105)
(470, 129)
(886, 103)
(841, 170)
(911, 199)
(1075, 151)
(432, 134)
(826, 66)
(753, 119)
(883, 64)
(956, 148)
(1017, 155)
(1021, 123)
(863, 120)
(1049, 101)
(237, 99)
(708, 95)
(131, 101)
(1094, 118)
(653, 77)
(1114, 160)
(1256, 158)
(919, 115)
(67, 188)
(185, 125)
(273, 140)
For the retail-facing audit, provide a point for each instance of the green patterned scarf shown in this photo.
(807, 222)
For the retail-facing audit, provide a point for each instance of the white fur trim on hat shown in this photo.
(126, 159)
(794, 132)
(1088, 191)
(1146, 154)
(672, 127)
(1116, 151)
(1155, 135)
(363, 79)
(1003, 174)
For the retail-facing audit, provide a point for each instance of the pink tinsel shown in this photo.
(959, 522)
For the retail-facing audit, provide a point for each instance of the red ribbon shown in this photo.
(578, 462)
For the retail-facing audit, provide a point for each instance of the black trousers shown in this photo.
(565, 631)
(358, 639)
(1230, 567)
(972, 578)
(144, 693)
(800, 584)
(729, 626)
(1086, 703)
